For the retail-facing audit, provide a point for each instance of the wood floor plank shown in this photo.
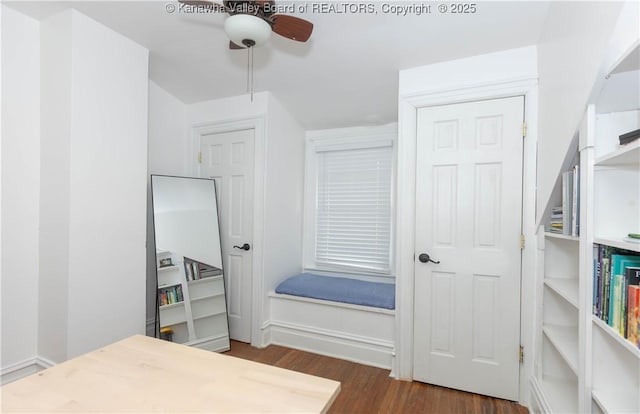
(368, 390)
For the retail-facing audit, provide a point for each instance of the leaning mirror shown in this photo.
(191, 303)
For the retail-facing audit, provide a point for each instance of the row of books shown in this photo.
(565, 219)
(170, 295)
(195, 270)
(616, 290)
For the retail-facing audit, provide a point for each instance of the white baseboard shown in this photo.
(355, 333)
(24, 368)
(360, 349)
(538, 401)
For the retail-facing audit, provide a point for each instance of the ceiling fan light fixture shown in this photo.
(247, 30)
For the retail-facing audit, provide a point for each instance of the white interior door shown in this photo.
(228, 157)
(468, 217)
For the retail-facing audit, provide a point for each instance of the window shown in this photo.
(350, 194)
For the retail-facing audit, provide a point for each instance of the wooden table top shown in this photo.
(141, 374)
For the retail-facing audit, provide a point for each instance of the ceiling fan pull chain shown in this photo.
(248, 67)
(250, 71)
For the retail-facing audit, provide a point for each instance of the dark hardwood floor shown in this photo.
(368, 390)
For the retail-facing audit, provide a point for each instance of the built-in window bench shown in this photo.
(336, 316)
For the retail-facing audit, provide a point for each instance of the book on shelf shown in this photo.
(629, 137)
(633, 315)
(170, 295)
(209, 271)
(616, 274)
(596, 281)
(565, 218)
(555, 223)
(631, 281)
(617, 301)
(197, 270)
(188, 270)
(575, 201)
(567, 203)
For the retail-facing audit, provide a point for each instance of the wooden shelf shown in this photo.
(565, 340)
(561, 394)
(566, 288)
(626, 155)
(618, 242)
(634, 350)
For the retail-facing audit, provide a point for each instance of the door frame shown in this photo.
(405, 214)
(258, 126)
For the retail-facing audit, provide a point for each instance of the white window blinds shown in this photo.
(353, 211)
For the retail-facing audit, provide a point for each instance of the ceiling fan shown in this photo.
(251, 22)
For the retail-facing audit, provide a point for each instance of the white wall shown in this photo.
(167, 154)
(55, 115)
(167, 133)
(284, 186)
(20, 185)
(228, 109)
(108, 186)
(570, 54)
(95, 186)
(472, 71)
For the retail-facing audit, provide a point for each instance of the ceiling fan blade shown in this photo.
(292, 27)
(266, 7)
(207, 5)
(234, 46)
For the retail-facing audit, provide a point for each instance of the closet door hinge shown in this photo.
(522, 242)
(524, 129)
(521, 354)
(200, 157)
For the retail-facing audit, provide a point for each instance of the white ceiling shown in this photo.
(345, 75)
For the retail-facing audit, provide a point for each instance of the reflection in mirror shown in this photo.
(191, 302)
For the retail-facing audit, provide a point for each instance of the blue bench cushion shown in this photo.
(340, 289)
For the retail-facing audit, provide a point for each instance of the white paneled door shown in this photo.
(228, 157)
(468, 218)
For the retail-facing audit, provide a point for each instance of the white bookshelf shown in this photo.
(200, 319)
(614, 362)
(558, 365)
(583, 365)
